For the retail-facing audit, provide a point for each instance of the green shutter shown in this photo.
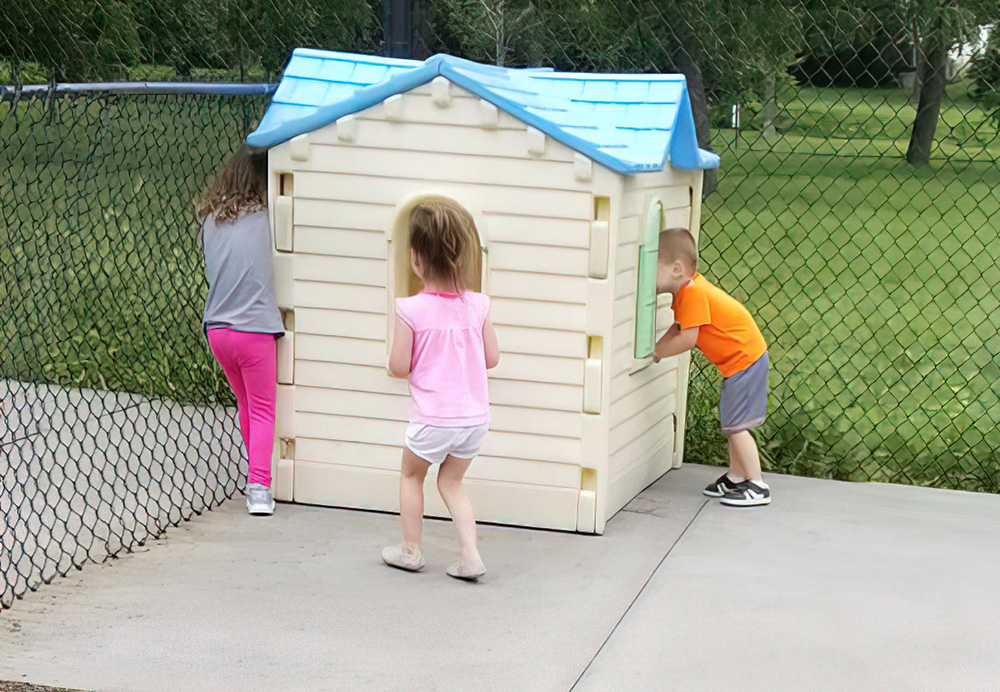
(645, 295)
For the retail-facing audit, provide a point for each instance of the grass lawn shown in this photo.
(103, 279)
(876, 287)
(875, 283)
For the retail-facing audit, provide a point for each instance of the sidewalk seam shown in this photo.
(636, 598)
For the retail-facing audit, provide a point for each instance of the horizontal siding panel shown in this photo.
(313, 376)
(629, 230)
(356, 404)
(541, 395)
(368, 391)
(541, 342)
(444, 167)
(441, 137)
(641, 397)
(532, 313)
(543, 260)
(627, 257)
(388, 458)
(340, 242)
(636, 426)
(536, 421)
(420, 108)
(388, 190)
(518, 366)
(623, 310)
(361, 454)
(314, 294)
(634, 202)
(310, 347)
(504, 503)
(344, 214)
(312, 351)
(626, 282)
(386, 432)
(560, 450)
(545, 231)
(668, 177)
(547, 287)
(677, 218)
(349, 428)
(343, 270)
(660, 436)
(622, 385)
(357, 325)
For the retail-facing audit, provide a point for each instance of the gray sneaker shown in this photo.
(259, 500)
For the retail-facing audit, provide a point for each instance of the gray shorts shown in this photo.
(743, 401)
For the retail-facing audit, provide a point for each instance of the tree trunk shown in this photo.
(933, 77)
(770, 111)
(699, 106)
(423, 32)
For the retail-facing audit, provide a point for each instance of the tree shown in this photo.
(77, 40)
(939, 26)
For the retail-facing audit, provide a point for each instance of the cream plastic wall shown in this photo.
(556, 258)
(648, 401)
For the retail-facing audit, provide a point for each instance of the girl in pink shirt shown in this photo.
(443, 342)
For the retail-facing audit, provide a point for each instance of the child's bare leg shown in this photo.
(736, 471)
(744, 459)
(411, 498)
(449, 482)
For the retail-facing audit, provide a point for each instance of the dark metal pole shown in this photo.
(399, 29)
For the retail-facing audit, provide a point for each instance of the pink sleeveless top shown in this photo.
(448, 385)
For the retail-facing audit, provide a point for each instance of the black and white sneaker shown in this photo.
(720, 487)
(747, 494)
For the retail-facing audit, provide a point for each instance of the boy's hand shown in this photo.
(672, 333)
(675, 342)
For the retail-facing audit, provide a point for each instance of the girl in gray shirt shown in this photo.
(241, 318)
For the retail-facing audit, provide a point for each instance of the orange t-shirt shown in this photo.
(728, 336)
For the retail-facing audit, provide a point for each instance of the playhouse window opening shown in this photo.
(645, 296)
(406, 282)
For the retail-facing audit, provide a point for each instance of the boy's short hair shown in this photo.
(678, 244)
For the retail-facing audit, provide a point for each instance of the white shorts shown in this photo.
(434, 444)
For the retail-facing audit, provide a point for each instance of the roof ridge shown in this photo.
(627, 122)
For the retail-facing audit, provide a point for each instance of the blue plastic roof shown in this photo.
(627, 122)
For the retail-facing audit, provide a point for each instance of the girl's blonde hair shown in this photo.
(443, 235)
(240, 187)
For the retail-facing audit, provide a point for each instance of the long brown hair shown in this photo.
(443, 235)
(241, 186)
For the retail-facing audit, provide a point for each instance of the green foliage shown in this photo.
(986, 76)
(103, 276)
(75, 39)
(82, 40)
(875, 287)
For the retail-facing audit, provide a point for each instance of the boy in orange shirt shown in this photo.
(716, 323)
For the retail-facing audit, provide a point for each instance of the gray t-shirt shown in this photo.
(240, 277)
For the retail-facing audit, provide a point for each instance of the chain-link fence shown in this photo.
(115, 420)
(855, 213)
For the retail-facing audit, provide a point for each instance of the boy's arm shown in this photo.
(675, 342)
(402, 349)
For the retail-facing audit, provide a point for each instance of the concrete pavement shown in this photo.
(833, 587)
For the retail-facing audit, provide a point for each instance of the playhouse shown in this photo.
(569, 179)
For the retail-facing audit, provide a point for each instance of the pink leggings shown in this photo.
(250, 361)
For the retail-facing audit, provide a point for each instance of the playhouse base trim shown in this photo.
(352, 487)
